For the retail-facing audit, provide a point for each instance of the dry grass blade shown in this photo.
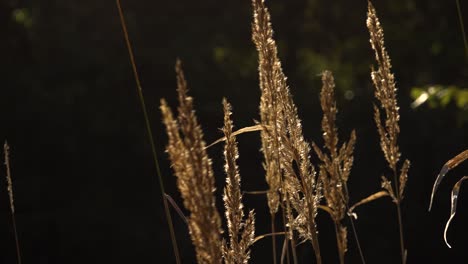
(238, 132)
(260, 237)
(237, 252)
(176, 208)
(368, 199)
(453, 209)
(6, 152)
(195, 178)
(445, 169)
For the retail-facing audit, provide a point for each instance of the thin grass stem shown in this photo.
(273, 238)
(6, 151)
(286, 241)
(400, 221)
(341, 252)
(18, 251)
(361, 254)
(149, 131)
(462, 27)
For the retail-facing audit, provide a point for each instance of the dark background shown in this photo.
(85, 185)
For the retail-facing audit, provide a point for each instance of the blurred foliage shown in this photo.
(439, 96)
(22, 17)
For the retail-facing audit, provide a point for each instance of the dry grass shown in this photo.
(195, 178)
(6, 152)
(387, 110)
(295, 189)
(287, 164)
(449, 165)
(196, 183)
(241, 232)
(336, 164)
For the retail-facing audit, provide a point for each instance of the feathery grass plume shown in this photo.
(336, 165)
(283, 144)
(241, 232)
(6, 152)
(270, 75)
(271, 116)
(300, 185)
(385, 92)
(194, 172)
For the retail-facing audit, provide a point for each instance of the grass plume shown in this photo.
(241, 232)
(195, 179)
(336, 164)
(271, 116)
(286, 152)
(385, 93)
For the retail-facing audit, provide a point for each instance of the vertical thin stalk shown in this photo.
(460, 19)
(273, 238)
(361, 254)
(339, 242)
(286, 240)
(316, 245)
(400, 221)
(6, 150)
(18, 252)
(149, 132)
(293, 250)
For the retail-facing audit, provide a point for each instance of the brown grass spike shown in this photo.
(195, 179)
(336, 164)
(271, 116)
(241, 232)
(385, 93)
(284, 144)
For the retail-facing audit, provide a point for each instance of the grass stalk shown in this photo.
(6, 151)
(400, 221)
(273, 238)
(355, 234)
(462, 27)
(341, 252)
(149, 131)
